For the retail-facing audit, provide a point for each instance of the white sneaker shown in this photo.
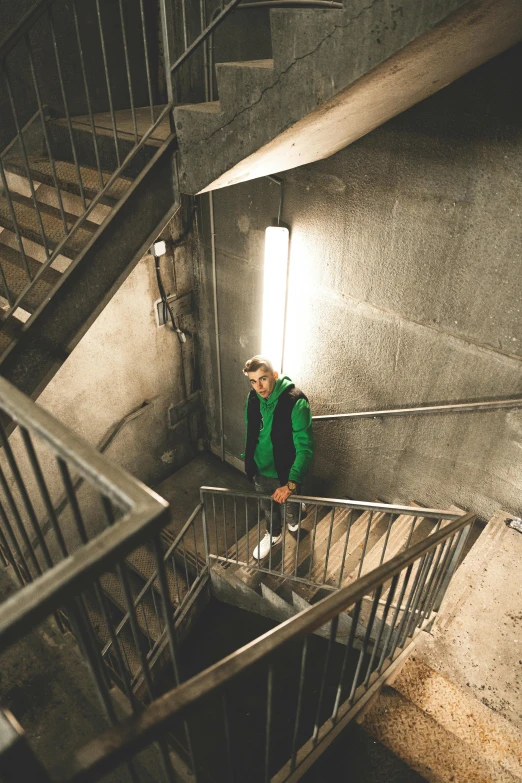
(264, 546)
(293, 527)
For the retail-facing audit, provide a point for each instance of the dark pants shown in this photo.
(266, 485)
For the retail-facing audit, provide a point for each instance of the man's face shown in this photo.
(263, 381)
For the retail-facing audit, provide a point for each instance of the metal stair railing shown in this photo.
(336, 541)
(366, 642)
(36, 33)
(105, 522)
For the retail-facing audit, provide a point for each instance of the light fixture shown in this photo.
(274, 294)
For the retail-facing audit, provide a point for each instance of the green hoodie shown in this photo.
(302, 434)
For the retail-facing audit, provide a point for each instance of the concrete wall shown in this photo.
(404, 289)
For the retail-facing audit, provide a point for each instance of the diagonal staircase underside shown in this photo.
(334, 76)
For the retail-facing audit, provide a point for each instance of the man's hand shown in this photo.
(282, 494)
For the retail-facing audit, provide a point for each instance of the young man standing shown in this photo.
(279, 445)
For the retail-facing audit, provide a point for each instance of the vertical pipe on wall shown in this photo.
(209, 95)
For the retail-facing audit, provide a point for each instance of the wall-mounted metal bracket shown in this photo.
(515, 524)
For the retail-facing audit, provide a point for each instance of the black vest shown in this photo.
(281, 434)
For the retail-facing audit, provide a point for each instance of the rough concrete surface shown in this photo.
(477, 642)
(336, 75)
(403, 290)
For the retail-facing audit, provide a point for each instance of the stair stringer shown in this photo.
(335, 79)
(50, 335)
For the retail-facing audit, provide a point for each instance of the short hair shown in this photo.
(257, 363)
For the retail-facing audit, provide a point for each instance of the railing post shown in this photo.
(167, 37)
(205, 529)
(452, 567)
(17, 759)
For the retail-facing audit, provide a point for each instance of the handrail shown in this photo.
(101, 755)
(306, 4)
(144, 512)
(429, 513)
(451, 408)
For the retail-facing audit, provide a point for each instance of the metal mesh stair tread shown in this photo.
(148, 620)
(29, 225)
(126, 643)
(12, 265)
(67, 177)
(143, 562)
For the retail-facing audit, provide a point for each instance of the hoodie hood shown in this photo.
(282, 383)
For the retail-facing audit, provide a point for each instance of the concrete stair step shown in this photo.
(425, 745)
(241, 84)
(297, 32)
(54, 230)
(13, 267)
(487, 733)
(67, 177)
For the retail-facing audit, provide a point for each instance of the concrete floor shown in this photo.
(477, 643)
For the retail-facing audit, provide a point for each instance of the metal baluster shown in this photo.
(169, 624)
(349, 648)
(410, 534)
(115, 645)
(412, 623)
(193, 526)
(108, 83)
(345, 548)
(23, 149)
(45, 133)
(411, 597)
(127, 67)
(283, 540)
(129, 603)
(269, 693)
(225, 528)
(20, 526)
(176, 578)
(331, 640)
(4, 441)
(299, 706)
(366, 641)
(147, 64)
(365, 544)
(247, 531)
(202, 16)
(398, 609)
(389, 599)
(299, 517)
(445, 555)
(312, 549)
(16, 230)
(434, 579)
(40, 480)
(185, 562)
(184, 22)
(21, 563)
(332, 517)
(270, 528)
(258, 561)
(228, 744)
(73, 500)
(66, 107)
(87, 96)
(428, 586)
(9, 558)
(392, 519)
(461, 538)
(215, 523)
(3, 555)
(235, 528)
